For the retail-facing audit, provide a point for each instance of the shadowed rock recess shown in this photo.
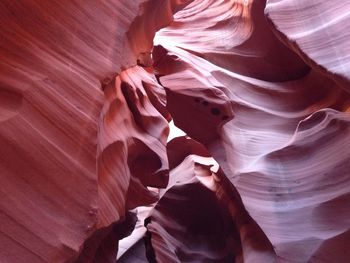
(174, 131)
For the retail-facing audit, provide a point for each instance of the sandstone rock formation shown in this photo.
(261, 89)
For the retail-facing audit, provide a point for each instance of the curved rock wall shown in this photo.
(262, 87)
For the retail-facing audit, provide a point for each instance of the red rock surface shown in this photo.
(200, 216)
(262, 87)
(54, 57)
(316, 30)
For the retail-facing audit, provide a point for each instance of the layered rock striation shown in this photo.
(261, 89)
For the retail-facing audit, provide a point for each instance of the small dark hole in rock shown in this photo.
(197, 100)
(205, 103)
(215, 111)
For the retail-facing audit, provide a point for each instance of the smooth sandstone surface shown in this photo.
(54, 57)
(87, 91)
(279, 149)
(317, 30)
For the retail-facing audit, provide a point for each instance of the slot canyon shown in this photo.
(170, 131)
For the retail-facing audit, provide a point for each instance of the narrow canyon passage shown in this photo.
(95, 169)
